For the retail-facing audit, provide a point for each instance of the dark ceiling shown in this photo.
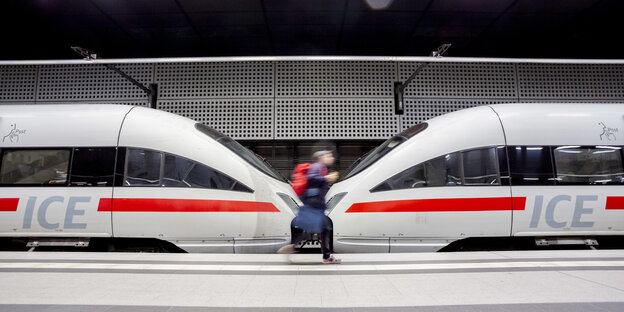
(45, 29)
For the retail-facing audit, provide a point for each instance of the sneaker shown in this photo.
(331, 260)
(288, 249)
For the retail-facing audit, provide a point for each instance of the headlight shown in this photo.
(333, 202)
(290, 202)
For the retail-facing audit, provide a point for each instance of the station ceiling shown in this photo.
(45, 29)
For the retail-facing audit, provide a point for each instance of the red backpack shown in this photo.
(300, 178)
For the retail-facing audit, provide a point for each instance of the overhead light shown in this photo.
(378, 4)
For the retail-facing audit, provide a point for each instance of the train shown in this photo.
(76, 174)
(548, 172)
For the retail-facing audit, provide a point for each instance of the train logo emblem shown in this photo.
(13, 135)
(607, 132)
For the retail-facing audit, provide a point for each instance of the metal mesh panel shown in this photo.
(543, 81)
(91, 82)
(335, 119)
(312, 99)
(17, 83)
(460, 80)
(417, 111)
(335, 79)
(240, 119)
(215, 80)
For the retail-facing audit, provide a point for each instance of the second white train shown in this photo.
(514, 170)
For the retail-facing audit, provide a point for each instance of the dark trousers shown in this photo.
(318, 202)
(325, 238)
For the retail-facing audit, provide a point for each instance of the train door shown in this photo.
(55, 192)
(173, 198)
(569, 190)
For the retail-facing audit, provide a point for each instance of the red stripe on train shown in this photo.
(8, 204)
(615, 202)
(442, 205)
(182, 205)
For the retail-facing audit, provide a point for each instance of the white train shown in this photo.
(70, 173)
(449, 179)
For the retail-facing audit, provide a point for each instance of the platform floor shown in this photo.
(471, 281)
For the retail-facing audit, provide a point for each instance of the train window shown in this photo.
(383, 149)
(34, 167)
(530, 165)
(480, 167)
(182, 172)
(206, 177)
(176, 170)
(440, 171)
(142, 167)
(92, 166)
(589, 165)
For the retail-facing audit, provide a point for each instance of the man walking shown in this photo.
(317, 186)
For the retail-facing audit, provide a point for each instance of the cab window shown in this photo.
(474, 167)
(480, 167)
(440, 171)
(153, 168)
(143, 167)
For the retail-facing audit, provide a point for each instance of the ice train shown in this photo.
(549, 172)
(70, 174)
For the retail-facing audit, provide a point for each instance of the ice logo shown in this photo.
(14, 134)
(608, 132)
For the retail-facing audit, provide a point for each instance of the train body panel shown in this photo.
(60, 125)
(419, 197)
(556, 124)
(568, 210)
(175, 180)
(49, 212)
(53, 211)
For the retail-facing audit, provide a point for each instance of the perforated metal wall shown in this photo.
(215, 80)
(335, 119)
(299, 99)
(461, 80)
(332, 79)
(68, 83)
(17, 83)
(574, 81)
(249, 119)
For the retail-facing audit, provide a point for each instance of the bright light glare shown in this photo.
(378, 4)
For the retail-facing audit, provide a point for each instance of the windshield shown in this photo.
(382, 150)
(247, 155)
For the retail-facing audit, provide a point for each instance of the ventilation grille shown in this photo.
(539, 81)
(215, 80)
(91, 82)
(17, 83)
(460, 80)
(240, 119)
(335, 119)
(335, 79)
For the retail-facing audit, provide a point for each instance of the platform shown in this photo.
(590, 280)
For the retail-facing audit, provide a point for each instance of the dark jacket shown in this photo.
(317, 186)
